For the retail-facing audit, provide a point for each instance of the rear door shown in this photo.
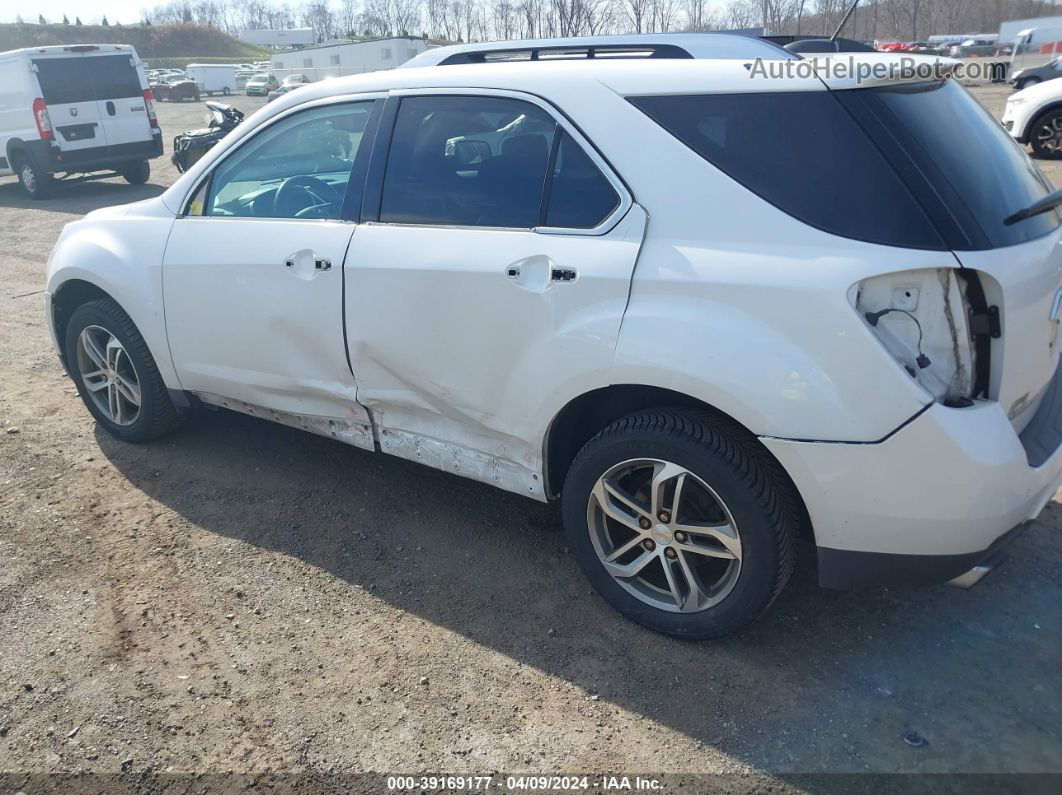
(70, 97)
(119, 100)
(489, 281)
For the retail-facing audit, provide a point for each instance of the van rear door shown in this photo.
(70, 98)
(120, 98)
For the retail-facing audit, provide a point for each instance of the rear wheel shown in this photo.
(35, 183)
(115, 373)
(1030, 81)
(1046, 135)
(136, 173)
(226, 91)
(681, 522)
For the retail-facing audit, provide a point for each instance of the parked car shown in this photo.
(456, 266)
(1033, 116)
(75, 111)
(261, 84)
(295, 80)
(176, 89)
(1030, 76)
(242, 78)
(280, 91)
(976, 48)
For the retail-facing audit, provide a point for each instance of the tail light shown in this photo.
(921, 318)
(149, 105)
(44, 123)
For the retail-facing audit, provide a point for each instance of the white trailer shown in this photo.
(213, 78)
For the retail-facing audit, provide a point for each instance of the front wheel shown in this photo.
(681, 521)
(1031, 81)
(115, 374)
(1046, 136)
(136, 173)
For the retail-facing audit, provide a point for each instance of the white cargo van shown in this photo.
(79, 111)
(213, 78)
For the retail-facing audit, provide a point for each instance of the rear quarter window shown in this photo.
(803, 153)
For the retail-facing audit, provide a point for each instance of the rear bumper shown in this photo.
(932, 500)
(51, 159)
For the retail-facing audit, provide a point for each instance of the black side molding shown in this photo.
(845, 570)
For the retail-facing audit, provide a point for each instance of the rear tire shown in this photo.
(226, 91)
(35, 183)
(708, 554)
(1032, 81)
(103, 348)
(136, 173)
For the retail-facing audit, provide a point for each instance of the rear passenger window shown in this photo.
(803, 153)
(579, 196)
(467, 161)
(485, 161)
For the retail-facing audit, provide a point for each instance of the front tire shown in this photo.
(136, 173)
(115, 374)
(1045, 136)
(35, 183)
(681, 521)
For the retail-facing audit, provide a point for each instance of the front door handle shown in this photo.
(563, 275)
(110, 108)
(305, 263)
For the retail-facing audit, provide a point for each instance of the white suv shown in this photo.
(709, 312)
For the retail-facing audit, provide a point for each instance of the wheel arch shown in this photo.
(70, 295)
(1035, 119)
(584, 416)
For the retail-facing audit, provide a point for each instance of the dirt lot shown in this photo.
(245, 597)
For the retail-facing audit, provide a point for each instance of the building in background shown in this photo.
(344, 57)
(293, 37)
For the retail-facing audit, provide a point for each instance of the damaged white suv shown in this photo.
(708, 312)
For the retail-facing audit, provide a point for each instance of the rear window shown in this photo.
(803, 153)
(87, 78)
(966, 156)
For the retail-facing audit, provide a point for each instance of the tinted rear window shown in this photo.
(966, 156)
(803, 153)
(87, 78)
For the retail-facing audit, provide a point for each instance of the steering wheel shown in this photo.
(297, 195)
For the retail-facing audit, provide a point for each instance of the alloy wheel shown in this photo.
(664, 535)
(109, 375)
(1049, 135)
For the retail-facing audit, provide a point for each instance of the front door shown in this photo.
(483, 294)
(253, 271)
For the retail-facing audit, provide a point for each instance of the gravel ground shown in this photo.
(246, 597)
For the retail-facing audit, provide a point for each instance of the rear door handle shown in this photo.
(110, 108)
(562, 275)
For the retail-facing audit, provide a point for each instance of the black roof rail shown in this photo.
(557, 53)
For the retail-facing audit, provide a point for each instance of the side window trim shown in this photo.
(206, 179)
(381, 149)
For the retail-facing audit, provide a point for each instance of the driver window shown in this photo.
(297, 168)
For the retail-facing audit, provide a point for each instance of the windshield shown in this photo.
(980, 173)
